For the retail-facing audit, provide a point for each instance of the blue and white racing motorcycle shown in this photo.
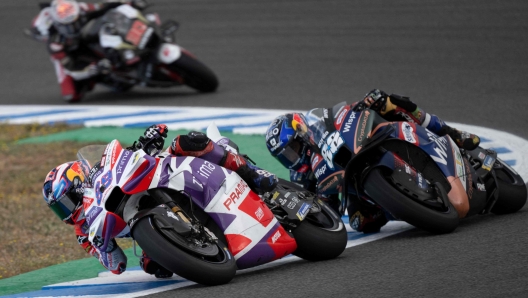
(411, 173)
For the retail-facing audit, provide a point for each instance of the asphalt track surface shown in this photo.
(463, 60)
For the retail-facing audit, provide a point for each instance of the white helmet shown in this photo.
(65, 11)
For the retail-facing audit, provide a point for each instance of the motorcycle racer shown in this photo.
(290, 139)
(60, 24)
(64, 187)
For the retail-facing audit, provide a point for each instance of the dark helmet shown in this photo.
(66, 15)
(63, 189)
(288, 140)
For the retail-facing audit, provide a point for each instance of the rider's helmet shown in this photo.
(63, 190)
(288, 140)
(66, 15)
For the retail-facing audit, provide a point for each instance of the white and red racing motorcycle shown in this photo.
(145, 47)
(198, 219)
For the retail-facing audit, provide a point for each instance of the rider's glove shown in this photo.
(376, 100)
(152, 140)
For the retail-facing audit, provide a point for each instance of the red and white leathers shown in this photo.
(62, 52)
(74, 76)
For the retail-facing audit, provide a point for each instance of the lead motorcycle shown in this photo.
(199, 220)
(408, 171)
(145, 47)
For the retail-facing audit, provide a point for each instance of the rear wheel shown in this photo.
(512, 189)
(403, 207)
(194, 73)
(205, 263)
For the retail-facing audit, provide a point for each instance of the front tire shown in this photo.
(321, 235)
(512, 190)
(405, 208)
(208, 271)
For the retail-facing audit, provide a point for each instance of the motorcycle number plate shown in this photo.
(136, 32)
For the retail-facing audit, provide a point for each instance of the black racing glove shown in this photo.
(152, 140)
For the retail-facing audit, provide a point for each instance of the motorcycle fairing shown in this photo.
(253, 233)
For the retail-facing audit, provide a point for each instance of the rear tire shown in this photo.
(194, 73)
(405, 208)
(195, 268)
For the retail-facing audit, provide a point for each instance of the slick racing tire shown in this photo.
(194, 73)
(321, 235)
(205, 270)
(512, 190)
(403, 207)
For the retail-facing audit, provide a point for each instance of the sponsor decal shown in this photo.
(122, 162)
(291, 205)
(407, 169)
(92, 215)
(320, 171)
(488, 163)
(206, 169)
(301, 214)
(329, 183)
(316, 160)
(481, 155)
(361, 135)
(234, 196)
(333, 143)
(340, 117)
(469, 179)
(408, 133)
(321, 141)
(276, 236)
(420, 180)
(481, 187)
(277, 145)
(350, 120)
(325, 113)
(172, 215)
(440, 148)
(259, 213)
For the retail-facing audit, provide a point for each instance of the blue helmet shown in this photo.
(63, 190)
(287, 139)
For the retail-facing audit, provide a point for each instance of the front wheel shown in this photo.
(403, 207)
(194, 73)
(322, 234)
(207, 269)
(512, 190)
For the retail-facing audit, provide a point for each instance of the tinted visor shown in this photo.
(289, 156)
(65, 206)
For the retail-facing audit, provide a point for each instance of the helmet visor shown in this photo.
(65, 207)
(289, 156)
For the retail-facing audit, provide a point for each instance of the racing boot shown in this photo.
(151, 267)
(259, 180)
(397, 105)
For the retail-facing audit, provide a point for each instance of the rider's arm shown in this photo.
(113, 259)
